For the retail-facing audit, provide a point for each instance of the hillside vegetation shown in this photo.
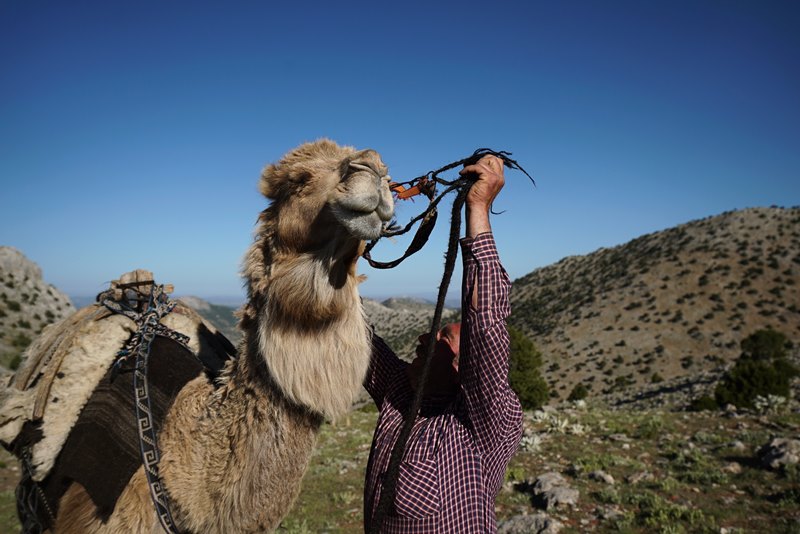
(222, 317)
(633, 325)
(27, 304)
(666, 308)
(400, 321)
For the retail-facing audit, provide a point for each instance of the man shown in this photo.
(470, 422)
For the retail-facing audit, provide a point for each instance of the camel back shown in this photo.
(72, 415)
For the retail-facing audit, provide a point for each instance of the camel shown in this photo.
(234, 451)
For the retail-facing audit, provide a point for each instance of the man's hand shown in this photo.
(489, 171)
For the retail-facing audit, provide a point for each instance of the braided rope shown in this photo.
(31, 500)
(138, 348)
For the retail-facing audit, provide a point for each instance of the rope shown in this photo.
(31, 500)
(428, 217)
(138, 349)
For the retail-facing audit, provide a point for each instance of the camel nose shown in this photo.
(385, 209)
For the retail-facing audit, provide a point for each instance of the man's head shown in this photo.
(443, 375)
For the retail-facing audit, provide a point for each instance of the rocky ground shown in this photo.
(585, 468)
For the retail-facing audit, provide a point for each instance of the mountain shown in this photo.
(223, 317)
(671, 305)
(27, 304)
(400, 321)
(661, 314)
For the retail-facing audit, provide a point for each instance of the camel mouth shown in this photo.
(366, 225)
(364, 216)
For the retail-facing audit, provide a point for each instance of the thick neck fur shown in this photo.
(305, 315)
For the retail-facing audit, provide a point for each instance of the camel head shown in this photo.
(322, 193)
(304, 314)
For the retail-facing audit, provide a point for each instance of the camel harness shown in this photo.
(103, 450)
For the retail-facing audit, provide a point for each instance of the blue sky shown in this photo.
(132, 134)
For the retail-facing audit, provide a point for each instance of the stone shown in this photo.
(551, 490)
(780, 452)
(601, 476)
(560, 496)
(548, 481)
(608, 513)
(738, 446)
(642, 476)
(734, 468)
(540, 523)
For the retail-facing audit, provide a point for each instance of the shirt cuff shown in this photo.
(480, 248)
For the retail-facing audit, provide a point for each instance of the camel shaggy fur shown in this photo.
(233, 455)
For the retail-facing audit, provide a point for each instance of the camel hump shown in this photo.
(63, 367)
(138, 281)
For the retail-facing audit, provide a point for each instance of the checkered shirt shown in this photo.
(460, 446)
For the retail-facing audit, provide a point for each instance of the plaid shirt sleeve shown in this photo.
(383, 366)
(493, 407)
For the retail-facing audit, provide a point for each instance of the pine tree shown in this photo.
(524, 374)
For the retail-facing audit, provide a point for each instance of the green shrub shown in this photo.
(13, 305)
(656, 378)
(15, 361)
(524, 373)
(703, 403)
(761, 370)
(21, 341)
(766, 345)
(650, 428)
(579, 392)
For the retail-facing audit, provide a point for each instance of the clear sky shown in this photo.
(132, 134)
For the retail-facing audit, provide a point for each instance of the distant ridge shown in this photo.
(671, 305)
(666, 305)
(400, 321)
(220, 316)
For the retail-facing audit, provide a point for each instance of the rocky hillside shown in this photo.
(27, 304)
(400, 321)
(223, 317)
(666, 306)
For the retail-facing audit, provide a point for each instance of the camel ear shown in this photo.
(364, 160)
(268, 183)
(278, 180)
